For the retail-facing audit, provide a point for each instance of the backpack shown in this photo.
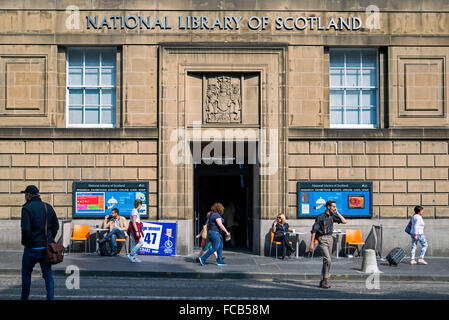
(408, 228)
(104, 249)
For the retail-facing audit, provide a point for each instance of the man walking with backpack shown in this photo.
(35, 216)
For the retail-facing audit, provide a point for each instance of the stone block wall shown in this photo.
(140, 83)
(52, 165)
(306, 78)
(405, 173)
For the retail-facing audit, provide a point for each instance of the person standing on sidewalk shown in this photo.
(215, 225)
(228, 217)
(417, 234)
(117, 229)
(35, 240)
(322, 230)
(135, 232)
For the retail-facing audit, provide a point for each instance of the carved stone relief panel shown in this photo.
(222, 98)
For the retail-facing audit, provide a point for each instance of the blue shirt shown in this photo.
(213, 223)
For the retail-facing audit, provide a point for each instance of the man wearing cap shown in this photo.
(322, 229)
(35, 240)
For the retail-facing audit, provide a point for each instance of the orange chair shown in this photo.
(277, 243)
(81, 233)
(125, 240)
(353, 238)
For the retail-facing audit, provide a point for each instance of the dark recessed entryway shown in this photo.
(230, 185)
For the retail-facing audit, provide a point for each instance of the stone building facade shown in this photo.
(238, 67)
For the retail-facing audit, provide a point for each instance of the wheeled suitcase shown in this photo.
(395, 256)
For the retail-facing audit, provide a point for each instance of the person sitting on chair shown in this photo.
(117, 229)
(279, 228)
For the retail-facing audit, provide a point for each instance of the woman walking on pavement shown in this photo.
(214, 227)
(417, 234)
(135, 232)
(205, 243)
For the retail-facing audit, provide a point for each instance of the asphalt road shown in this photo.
(104, 288)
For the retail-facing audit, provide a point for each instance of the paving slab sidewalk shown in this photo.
(239, 266)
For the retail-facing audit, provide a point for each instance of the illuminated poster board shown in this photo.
(353, 198)
(95, 199)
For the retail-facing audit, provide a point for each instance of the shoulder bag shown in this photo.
(204, 233)
(54, 251)
(408, 229)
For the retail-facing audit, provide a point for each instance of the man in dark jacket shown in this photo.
(322, 230)
(35, 240)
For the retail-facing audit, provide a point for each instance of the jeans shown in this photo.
(422, 240)
(114, 234)
(217, 245)
(284, 240)
(29, 259)
(135, 246)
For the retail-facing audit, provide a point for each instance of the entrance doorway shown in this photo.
(232, 186)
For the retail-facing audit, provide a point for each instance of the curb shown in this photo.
(234, 275)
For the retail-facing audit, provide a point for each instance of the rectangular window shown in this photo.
(354, 88)
(91, 75)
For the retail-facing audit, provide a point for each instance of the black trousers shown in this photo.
(283, 239)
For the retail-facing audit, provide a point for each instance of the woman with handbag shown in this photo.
(215, 225)
(135, 232)
(280, 228)
(417, 234)
(205, 243)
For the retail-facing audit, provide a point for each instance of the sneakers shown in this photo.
(324, 284)
(137, 259)
(422, 261)
(412, 262)
(115, 253)
(132, 259)
(203, 263)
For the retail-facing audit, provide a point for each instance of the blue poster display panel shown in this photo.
(160, 238)
(353, 198)
(96, 199)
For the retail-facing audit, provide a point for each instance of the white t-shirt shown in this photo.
(117, 223)
(417, 224)
(135, 212)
